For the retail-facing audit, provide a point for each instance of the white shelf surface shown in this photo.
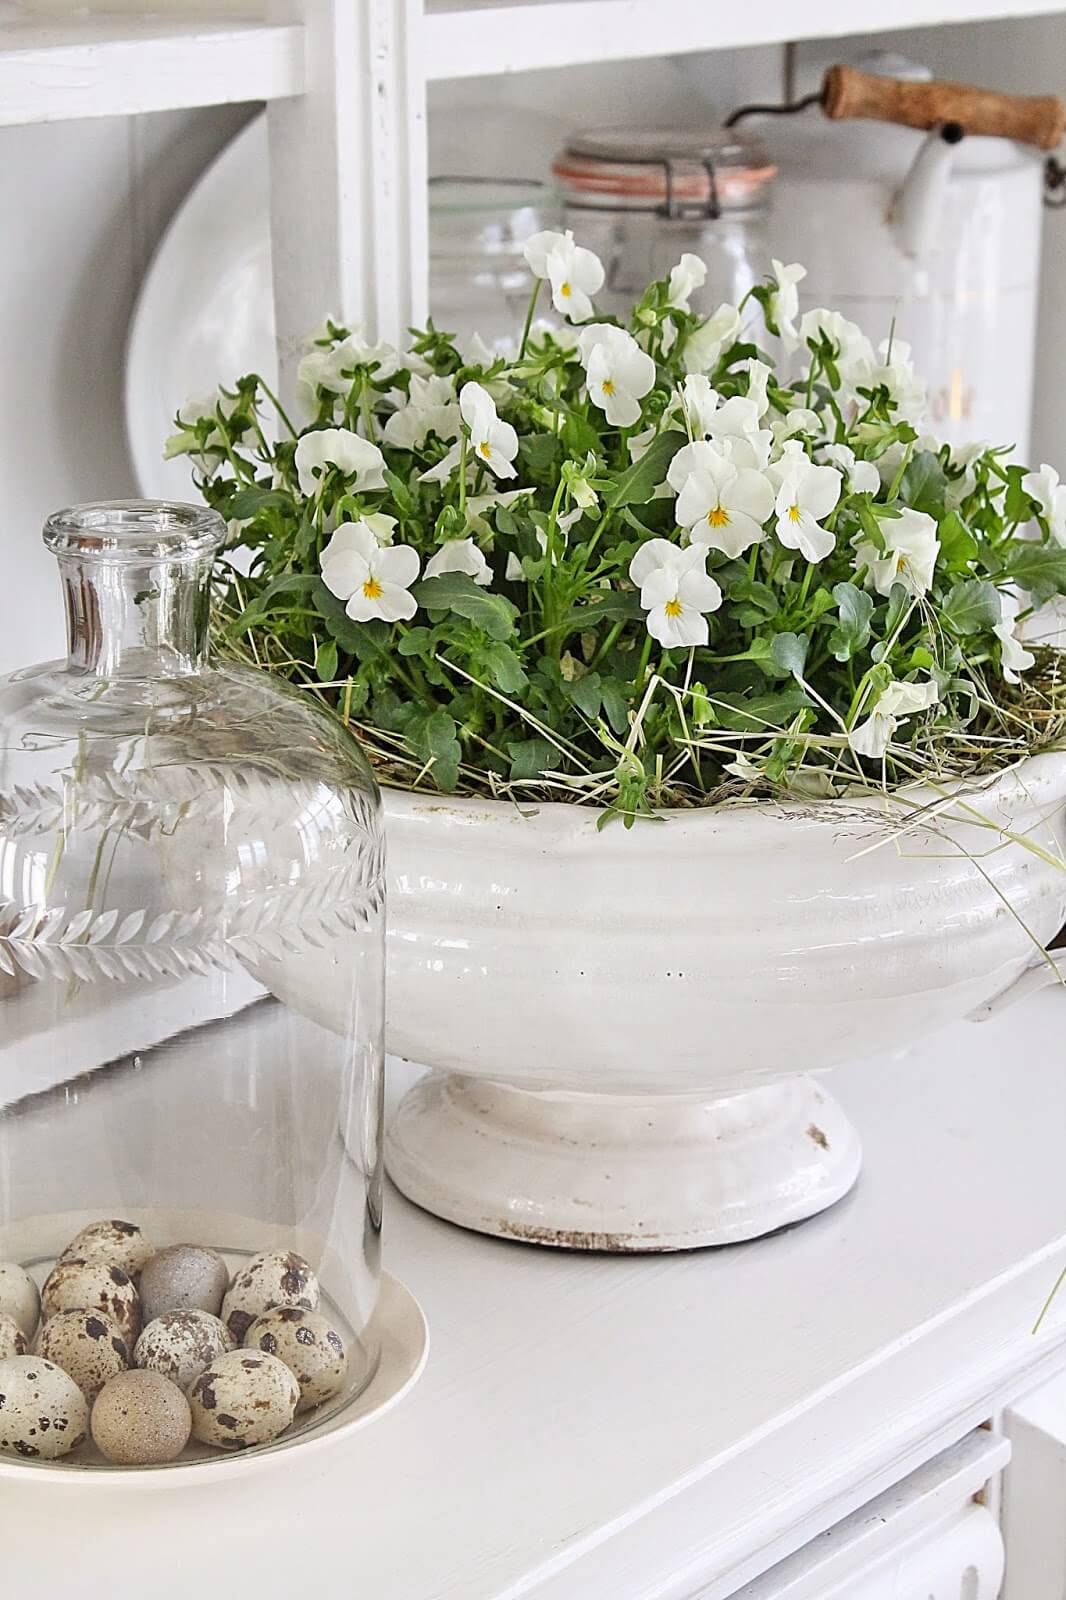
(473, 37)
(595, 1427)
(56, 69)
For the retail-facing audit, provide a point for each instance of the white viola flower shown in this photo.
(894, 370)
(492, 440)
(722, 506)
(861, 477)
(460, 555)
(910, 555)
(676, 591)
(784, 299)
(963, 457)
(357, 458)
(704, 345)
(334, 369)
(381, 526)
(735, 427)
(473, 350)
(801, 419)
(1014, 657)
(431, 407)
(805, 494)
(573, 272)
(372, 579)
(855, 354)
(1050, 496)
(618, 373)
(872, 737)
(193, 411)
(759, 375)
(699, 401)
(689, 275)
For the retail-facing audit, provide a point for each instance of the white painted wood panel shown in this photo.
(482, 36)
(604, 1428)
(927, 1538)
(1034, 1495)
(63, 69)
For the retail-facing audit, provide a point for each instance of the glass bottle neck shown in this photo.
(136, 619)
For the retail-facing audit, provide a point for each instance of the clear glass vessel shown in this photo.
(479, 281)
(642, 197)
(191, 958)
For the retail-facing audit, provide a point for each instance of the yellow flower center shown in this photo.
(718, 517)
(565, 291)
(372, 588)
(673, 608)
(608, 386)
(485, 448)
(901, 562)
(794, 513)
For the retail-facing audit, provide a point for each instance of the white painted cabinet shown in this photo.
(1034, 1495)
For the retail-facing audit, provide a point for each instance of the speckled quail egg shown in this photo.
(244, 1398)
(88, 1345)
(121, 1243)
(180, 1344)
(13, 1341)
(43, 1413)
(183, 1277)
(310, 1347)
(78, 1285)
(19, 1296)
(141, 1419)
(275, 1278)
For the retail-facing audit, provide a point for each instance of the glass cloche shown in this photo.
(191, 1012)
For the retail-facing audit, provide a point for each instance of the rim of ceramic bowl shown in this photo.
(1044, 781)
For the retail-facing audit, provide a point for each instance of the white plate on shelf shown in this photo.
(404, 1349)
(205, 313)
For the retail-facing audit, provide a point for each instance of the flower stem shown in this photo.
(534, 297)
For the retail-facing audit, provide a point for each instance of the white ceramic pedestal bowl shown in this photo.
(622, 1023)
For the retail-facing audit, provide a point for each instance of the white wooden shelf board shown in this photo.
(654, 1427)
(485, 36)
(54, 70)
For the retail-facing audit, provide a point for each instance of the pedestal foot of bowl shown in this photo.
(622, 1173)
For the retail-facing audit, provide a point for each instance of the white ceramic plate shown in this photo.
(205, 313)
(404, 1349)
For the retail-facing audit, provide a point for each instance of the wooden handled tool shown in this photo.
(1032, 119)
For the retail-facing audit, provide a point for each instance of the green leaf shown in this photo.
(531, 757)
(249, 501)
(586, 694)
(415, 641)
(854, 611)
(1039, 569)
(326, 661)
(789, 652)
(924, 484)
(1017, 506)
(505, 669)
(540, 452)
(766, 713)
(612, 604)
(958, 547)
(432, 737)
(615, 705)
(455, 591)
(636, 485)
(972, 607)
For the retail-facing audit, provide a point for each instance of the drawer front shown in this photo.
(929, 1538)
